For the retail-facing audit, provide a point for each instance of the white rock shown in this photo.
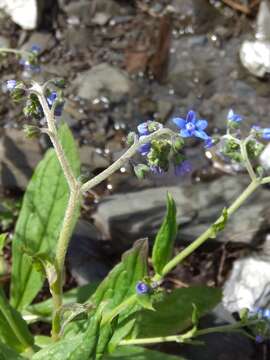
(265, 158)
(23, 12)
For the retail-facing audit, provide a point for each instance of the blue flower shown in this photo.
(232, 116)
(266, 133)
(145, 148)
(11, 84)
(51, 100)
(35, 49)
(208, 143)
(156, 170)
(183, 168)
(142, 288)
(259, 339)
(191, 126)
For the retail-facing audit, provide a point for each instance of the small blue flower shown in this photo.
(232, 116)
(145, 148)
(266, 133)
(35, 49)
(31, 67)
(11, 84)
(209, 142)
(183, 168)
(59, 107)
(259, 339)
(144, 129)
(142, 288)
(191, 126)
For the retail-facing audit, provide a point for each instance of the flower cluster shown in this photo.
(30, 63)
(261, 329)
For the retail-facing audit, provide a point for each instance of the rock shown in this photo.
(78, 38)
(19, 156)
(44, 40)
(248, 285)
(265, 158)
(103, 79)
(4, 42)
(87, 258)
(25, 13)
(91, 159)
(128, 216)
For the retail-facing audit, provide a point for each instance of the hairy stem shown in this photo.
(208, 233)
(250, 170)
(189, 335)
(123, 159)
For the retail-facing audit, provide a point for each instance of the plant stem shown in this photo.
(61, 250)
(15, 51)
(243, 148)
(182, 338)
(208, 233)
(123, 159)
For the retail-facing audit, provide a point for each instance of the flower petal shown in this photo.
(185, 133)
(201, 124)
(143, 128)
(179, 122)
(191, 116)
(201, 134)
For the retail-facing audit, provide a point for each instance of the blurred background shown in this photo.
(125, 62)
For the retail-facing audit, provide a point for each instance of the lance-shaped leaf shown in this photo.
(6, 353)
(139, 353)
(175, 311)
(40, 219)
(13, 329)
(163, 246)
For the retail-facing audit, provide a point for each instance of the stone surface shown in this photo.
(103, 79)
(265, 158)
(19, 156)
(88, 261)
(248, 285)
(23, 12)
(91, 159)
(129, 216)
(45, 41)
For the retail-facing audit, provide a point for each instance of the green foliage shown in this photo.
(175, 311)
(40, 219)
(6, 353)
(13, 329)
(139, 353)
(164, 242)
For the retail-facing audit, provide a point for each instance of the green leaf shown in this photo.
(121, 281)
(163, 246)
(40, 220)
(7, 353)
(13, 329)
(174, 311)
(139, 353)
(77, 295)
(3, 239)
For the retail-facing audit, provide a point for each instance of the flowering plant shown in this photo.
(126, 307)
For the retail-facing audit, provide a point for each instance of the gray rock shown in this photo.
(248, 285)
(23, 12)
(88, 261)
(44, 40)
(19, 156)
(78, 38)
(129, 216)
(91, 159)
(4, 42)
(103, 79)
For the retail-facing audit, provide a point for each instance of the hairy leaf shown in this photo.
(6, 353)
(13, 329)
(40, 220)
(174, 311)
(163, 246)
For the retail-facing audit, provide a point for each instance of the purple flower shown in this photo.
(183, 168)
(142, 288)
(143, 128)
(145, 148)
(191, 126)
(59, 107)
(232, 116)
(11, 84)
(266, 133)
